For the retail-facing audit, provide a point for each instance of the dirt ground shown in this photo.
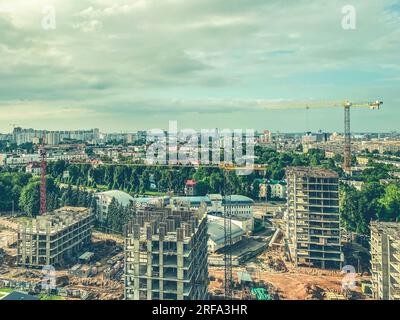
(290, 283)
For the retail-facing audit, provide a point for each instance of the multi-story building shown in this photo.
(278, 189)
(313, 224)
(21, 135)
(53, 138)
(34, 168)
(272, 189)
(385, 260)
(266, 137)
(166, 254)
(190, 187)
(53, 238)
(381, 145)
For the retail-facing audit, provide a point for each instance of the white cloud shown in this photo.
(237, 52)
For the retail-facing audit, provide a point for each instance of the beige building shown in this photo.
(312, 218)
(385, 260)
(363, 161)
(382, 145)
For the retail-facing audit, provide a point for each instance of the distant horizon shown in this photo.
(256, 130)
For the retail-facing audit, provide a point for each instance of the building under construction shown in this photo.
(55, 237)
(385, 260)
(313, 219)
(166, 254)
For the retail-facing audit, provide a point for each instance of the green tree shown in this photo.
(30, 198)
(255, 189)
(391, 203)
(202, 188)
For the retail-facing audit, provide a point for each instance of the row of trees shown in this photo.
(21, 192)
(138, 180)
(11, 185)
(278, 161)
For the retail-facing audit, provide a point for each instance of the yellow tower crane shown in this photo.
(347, 132)
(347, 105)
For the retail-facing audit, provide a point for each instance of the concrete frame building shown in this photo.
(385, 260)
(54, 237)
(166, 254)
(313, 219)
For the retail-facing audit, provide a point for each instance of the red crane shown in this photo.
(43, 165)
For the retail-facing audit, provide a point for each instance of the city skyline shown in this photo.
(165, 129)
(124, 65)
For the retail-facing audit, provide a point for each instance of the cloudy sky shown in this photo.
(123, 65)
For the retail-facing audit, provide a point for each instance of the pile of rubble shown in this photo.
(276, 264)
(98, 288)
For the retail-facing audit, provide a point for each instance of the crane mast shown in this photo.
(347, 132)
(347, 140)
(228, 274)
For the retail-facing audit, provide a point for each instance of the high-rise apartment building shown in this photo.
(313, 219)
(385, 260)
(166, 254)
(21, 135)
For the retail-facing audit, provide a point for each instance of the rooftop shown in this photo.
(56, 220)
(193, 200)
(238, 199)
(315, 172)
(390, 228)
(18, 296)
(164, 222)
(120, 196)
(191, 182)
(217, 233)
(86, 256)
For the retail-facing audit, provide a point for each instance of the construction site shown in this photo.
(95, 271)
(163, 253)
